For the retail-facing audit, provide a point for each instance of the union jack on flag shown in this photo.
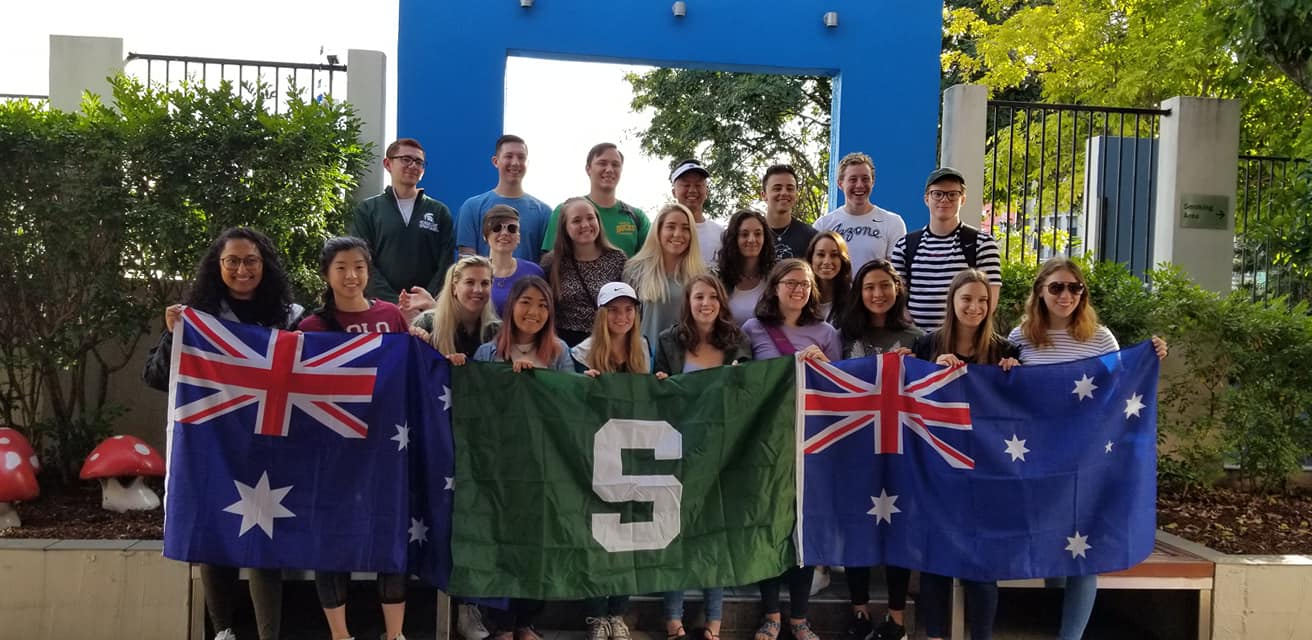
(275, 378)
(888, 403)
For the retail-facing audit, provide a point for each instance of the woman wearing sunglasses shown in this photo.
(1060, 325)
(501, 230)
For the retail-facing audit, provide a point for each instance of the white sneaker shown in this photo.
(469, 623)
(226, 634)
(819, 580)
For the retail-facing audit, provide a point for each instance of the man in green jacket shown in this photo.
(411, 235)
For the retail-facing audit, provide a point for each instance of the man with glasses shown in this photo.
(929, 258)
(870, 231)
(510, 157)
(410, 234)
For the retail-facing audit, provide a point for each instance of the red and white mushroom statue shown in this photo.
(17, 477)
(120, 457)
(10, 436)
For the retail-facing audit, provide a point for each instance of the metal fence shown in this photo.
(1267, 186)
(309, 81)
(7, 97)
(1070, 179)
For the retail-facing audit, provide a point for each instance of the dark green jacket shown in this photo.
(413, 255)
(670, 356)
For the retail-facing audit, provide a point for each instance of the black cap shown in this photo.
(944, 172)
(688, 166)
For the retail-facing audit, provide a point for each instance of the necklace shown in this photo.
(523, 349)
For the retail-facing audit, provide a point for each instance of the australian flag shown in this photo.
(1042, 471)
(308, 450)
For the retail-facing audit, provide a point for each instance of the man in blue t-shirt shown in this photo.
(511, 160)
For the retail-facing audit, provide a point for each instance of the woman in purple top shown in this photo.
(788, 322)
(788, 317)
(501, 230)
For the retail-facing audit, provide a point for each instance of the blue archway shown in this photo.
(883, 56)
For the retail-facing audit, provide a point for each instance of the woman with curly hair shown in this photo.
(746, 257)
(240, 278)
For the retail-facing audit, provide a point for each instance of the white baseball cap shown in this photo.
(612, 290)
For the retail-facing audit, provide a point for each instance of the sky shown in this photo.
(296, 30)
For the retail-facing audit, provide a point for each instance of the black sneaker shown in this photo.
(861, 627)
(889, 630)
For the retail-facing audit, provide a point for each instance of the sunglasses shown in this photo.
(508, 227)
(1056, 288)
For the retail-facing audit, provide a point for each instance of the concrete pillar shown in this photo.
(1194, 225)
(366, 90)
(965, 121)
(82, 63)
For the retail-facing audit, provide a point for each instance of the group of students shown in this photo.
(590, 309)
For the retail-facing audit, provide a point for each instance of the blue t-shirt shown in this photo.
(533, 217)
(501, 286)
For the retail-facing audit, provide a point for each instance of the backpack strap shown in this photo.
(969, 237)
(911, 245)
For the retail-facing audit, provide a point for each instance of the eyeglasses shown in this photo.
(410, 161)
(508, 227)
(231, 263)
(795, 284)
(944, 195)
(1056, 288)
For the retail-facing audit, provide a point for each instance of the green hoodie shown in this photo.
(405, 255)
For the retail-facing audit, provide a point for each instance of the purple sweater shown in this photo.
(820, 334)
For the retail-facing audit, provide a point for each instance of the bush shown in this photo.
(104, 213)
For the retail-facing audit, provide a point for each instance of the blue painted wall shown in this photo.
(884, 57)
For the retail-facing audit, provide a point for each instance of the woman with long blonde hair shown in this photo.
(616, 345)
(1060, 325)
(661, 269)
(461, 317)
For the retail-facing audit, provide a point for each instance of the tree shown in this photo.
(104, 213)
(739, 124)
(1279, 31)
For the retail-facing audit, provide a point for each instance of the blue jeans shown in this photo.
(936, 606)
(1076, 604)
(713, 597)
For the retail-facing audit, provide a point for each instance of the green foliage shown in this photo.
(1279, 31)
(739, 124)
(105, 212)
(1276, 246)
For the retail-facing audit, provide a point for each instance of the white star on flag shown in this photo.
(402, 437)
(1016, 448)
(445, 398)
(1133, 405)
(1084, 387)
(1108, 447)
(418, 531)
(1077, 545)
(259, 505)
(450, 484)
(884, 508)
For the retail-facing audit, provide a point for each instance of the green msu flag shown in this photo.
(568, 486)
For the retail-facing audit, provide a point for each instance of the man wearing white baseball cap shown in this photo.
(688, 180)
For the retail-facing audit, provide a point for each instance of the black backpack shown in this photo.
(966, 234)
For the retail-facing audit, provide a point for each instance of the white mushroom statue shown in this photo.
(118, 458)
(17, 479)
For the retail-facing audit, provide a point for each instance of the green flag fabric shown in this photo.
(569, 487)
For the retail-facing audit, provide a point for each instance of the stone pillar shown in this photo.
(366, 90)
(965, 121)
(82, 63)
(1198, 166)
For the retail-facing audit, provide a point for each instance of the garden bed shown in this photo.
(1235, 522)
(74, 513)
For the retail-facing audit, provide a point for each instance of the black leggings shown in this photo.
(799, 591)
(897, 579)
(221, 597)
(335, 586)
(935, 605)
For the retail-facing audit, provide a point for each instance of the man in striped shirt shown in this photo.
(929, 258)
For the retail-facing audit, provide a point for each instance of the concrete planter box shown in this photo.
(1257, 596)
(110, 589)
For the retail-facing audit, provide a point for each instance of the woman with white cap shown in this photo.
(616, 345)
